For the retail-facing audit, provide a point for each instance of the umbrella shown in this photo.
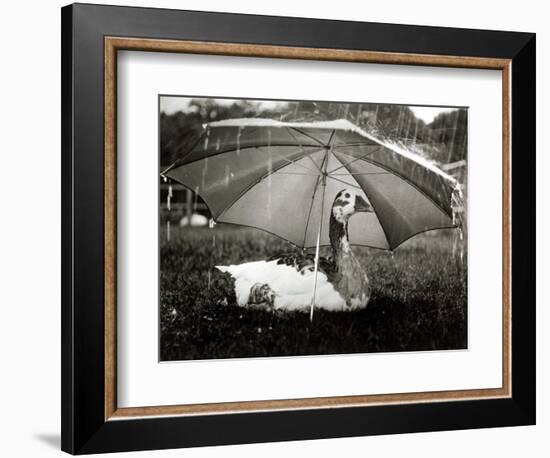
(281, 177)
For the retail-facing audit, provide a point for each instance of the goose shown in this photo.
(285, 281)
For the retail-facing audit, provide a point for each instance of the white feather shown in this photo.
(293, 290)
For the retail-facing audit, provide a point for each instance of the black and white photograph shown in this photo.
(299, 228)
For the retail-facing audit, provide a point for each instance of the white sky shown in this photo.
(170, 105)
(427, 114)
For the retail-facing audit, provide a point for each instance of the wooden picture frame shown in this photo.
(91, 419)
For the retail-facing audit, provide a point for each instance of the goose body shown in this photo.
(285, 282)
(291, 287)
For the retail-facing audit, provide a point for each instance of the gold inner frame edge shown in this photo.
(114, 44)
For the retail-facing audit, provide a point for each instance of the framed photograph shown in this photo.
(284, 228)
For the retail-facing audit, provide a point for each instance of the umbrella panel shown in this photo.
(279, 203)
(221, 179)
(421, 174)
(403, 209)
(222, 139)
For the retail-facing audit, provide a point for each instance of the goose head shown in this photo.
(347, 203)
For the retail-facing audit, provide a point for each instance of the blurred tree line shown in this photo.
(444, 140)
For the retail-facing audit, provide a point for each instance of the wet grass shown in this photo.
(419, 301)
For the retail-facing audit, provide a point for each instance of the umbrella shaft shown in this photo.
(316, 266)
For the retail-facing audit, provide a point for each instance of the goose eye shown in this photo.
(346, 195)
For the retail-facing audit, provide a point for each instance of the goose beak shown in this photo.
(361, 205)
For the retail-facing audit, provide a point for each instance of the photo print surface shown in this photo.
(294, 228)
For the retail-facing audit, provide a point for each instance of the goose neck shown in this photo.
(339, 239)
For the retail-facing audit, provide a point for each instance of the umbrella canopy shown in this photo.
(282, 177)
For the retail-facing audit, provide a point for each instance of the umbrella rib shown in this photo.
(177, 162)
(302, 148)
(329, 143)
(325, 157)
(344, 165)
(296, 162)
(350, 145)
(359, 174)
(344, 182)
(306, 135)
(405, 179)
(248, 188)
(181, 162)
(265, 175)
(312, 161)
(297, 173)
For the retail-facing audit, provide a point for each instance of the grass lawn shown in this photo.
(419, 300)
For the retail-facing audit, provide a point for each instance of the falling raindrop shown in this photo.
(415, 132)
(461, 247)
(169, 198)
(227, 175)
(346, 111)
(206, 139)
(458, 205)
(195, 199)
(239, 132)
(453, 130)
(455, 243)
(211, 224)
(218, 143)
(168, 207)
(316, 109)
(204, 171)
(269, 173)
(375, 117)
